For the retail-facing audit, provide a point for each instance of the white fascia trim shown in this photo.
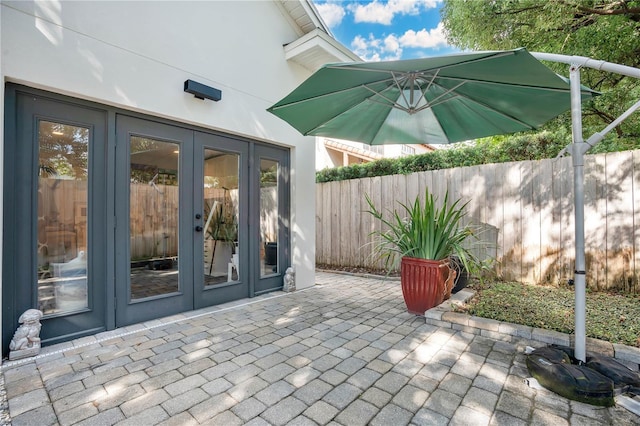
(313, 13)
(319, 39)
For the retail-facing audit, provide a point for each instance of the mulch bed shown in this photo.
(358, 270)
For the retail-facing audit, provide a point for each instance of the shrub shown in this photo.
(496, 149)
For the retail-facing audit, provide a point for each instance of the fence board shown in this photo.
(399, 190)
(344, 216)
(620, 231)
(595, 216)
(413, 187)
(495, 211)
(376, 226)
(530, 221)
(335, 224)
(549, 228)
(636, 219)
(365, 223)
(556, 214)
(426, 183)
(320, 255)
(567, 218)
(354, 223)
(512, 259)
(325, 220)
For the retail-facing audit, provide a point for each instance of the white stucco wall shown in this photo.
(137, 55)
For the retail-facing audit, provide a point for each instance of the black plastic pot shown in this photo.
(271, 254)
(462, 275)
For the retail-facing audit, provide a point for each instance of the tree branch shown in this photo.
(615, 8)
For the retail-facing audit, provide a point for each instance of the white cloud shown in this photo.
(424, 38)
(391, 43)
(359, 43)
(374, 49)
(382, 13)
(331, 13)
(391, 46)
(374, 12)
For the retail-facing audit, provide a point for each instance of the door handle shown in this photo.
(198, 228)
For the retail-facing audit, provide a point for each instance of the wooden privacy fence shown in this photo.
(525, 209)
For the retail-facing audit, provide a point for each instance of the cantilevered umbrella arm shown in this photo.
(598, 136)
(578, 148)
(582, 61)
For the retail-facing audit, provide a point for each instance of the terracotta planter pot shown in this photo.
(425, 283)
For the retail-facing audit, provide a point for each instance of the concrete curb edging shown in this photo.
(444, 316)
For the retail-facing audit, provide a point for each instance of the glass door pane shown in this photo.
(63, 152)
(153, 217)
(154, 220)
(269, 230)
(220, 242)
(221, 207)
(270, 217)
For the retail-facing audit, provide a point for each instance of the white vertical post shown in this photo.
(577, 154)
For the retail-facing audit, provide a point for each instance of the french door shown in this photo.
(197, 223)
(55, 221)
(182, 197)
(221, 201)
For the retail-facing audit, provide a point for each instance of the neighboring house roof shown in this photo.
(316, 45)
(356, 152)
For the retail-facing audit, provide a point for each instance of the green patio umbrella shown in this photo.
(435, 100)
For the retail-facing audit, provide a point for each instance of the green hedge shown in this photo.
(497, 149)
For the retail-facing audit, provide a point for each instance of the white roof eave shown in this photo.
(316, 49)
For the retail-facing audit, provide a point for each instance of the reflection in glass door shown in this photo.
(221, 208)
(270, 224)
(154, 276)
(220, 242)
(269, 229)
(63, 152)
(55, 226)
(153, 217)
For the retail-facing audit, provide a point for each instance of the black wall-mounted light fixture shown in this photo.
(201, 91)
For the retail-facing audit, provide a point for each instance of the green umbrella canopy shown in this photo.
(435, 100)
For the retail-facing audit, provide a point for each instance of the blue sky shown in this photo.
(382, 30)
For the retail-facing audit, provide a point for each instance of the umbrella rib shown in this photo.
(507, 116)
(315, 97)
(394, 105)
(401, 88)
(423, 91)
(499, 83)
(435, 100)
(390, 102)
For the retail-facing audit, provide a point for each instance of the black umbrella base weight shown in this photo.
(595, 383)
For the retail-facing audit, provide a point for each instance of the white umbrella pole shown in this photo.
(577, 154)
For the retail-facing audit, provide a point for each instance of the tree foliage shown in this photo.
(599, 29)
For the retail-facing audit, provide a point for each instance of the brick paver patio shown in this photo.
(344, 352)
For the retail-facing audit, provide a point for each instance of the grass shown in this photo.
(611, 317)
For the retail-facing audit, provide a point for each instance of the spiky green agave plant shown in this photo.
(424, 231)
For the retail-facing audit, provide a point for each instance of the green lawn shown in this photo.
(611, 317)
